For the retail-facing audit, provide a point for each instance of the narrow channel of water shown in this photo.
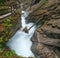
(20, 42)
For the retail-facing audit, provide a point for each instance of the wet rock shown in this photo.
(46, 40)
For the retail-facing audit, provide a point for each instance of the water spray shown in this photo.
(38, 20)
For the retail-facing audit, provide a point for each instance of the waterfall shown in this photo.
(20, 42)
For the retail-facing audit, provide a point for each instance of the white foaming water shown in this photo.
(20, 42)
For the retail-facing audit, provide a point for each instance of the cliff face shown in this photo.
(46, 40)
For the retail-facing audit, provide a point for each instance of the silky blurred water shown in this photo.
(21, 42)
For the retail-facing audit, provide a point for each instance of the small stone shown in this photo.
(25, 30)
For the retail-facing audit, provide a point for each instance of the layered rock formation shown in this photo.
(46, 40)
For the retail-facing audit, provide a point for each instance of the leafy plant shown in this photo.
(1, 47)
(7, 22)
(1, 40)
(9, 54)
(2, 2)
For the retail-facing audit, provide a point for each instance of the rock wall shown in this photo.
(46, 40)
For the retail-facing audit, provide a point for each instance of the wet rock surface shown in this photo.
(46, 40)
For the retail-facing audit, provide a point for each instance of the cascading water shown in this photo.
(20, 42)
